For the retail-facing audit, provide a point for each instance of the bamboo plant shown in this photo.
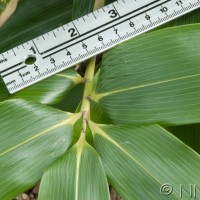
(127, 118)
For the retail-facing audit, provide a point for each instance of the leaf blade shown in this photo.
(52, 90)
(31, 137)
(33, 18)
(159, 84)
(140, 159)
(70, 174)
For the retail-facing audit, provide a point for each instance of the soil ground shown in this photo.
(33, 194)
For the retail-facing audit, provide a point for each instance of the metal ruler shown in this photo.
(85, 37)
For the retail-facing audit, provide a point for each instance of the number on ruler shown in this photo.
(131, 24)
(32, 49)
(179, 2)
(36, 68)
(113, 13)
(72, 32)
(89, 35)
(84, 46)
(69, 53)
(52, 61)
(147, 17)
(164, 9)
(100, 38)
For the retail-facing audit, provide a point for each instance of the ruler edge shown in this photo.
(95, 54)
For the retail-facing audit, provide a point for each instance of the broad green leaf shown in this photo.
(98, 115)
(78, 127)
(53, 89)
(32, 136)
(189, 134)
(70, 101)
(139, 160)
(78, 175)
(154, 78)
(33, 18)
(49, 91)
(3, 91)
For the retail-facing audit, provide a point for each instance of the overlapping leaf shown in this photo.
(33, 18)
(31, 137)
(153, 78)
(189, 134)
(51, 90)
(48, 91)
(3, 91)
(71, 101)
(78, 175)
(139, 160)
(162, 72)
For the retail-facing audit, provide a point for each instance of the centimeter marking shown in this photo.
(85, 37)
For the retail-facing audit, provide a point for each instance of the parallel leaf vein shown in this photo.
(98, 130)
(96, 97)
(62, 123)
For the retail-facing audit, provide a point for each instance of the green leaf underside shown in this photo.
(98, 115)
(139, 159)
(3, 91)
(24, 26)
(189, 134)
(31, 137)
(78, 175)
(153, 78)
(51, 90)
(71, 100)
(33, 18)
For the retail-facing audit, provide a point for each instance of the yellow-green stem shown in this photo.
(98, 4)
(9, 10)
(89, 75)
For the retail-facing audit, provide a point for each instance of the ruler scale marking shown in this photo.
(104, 25)
(85, 37)
(93, 33)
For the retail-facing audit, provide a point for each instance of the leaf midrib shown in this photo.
(68, 121)
(96, 97)
(99, 131)
(80, 146)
